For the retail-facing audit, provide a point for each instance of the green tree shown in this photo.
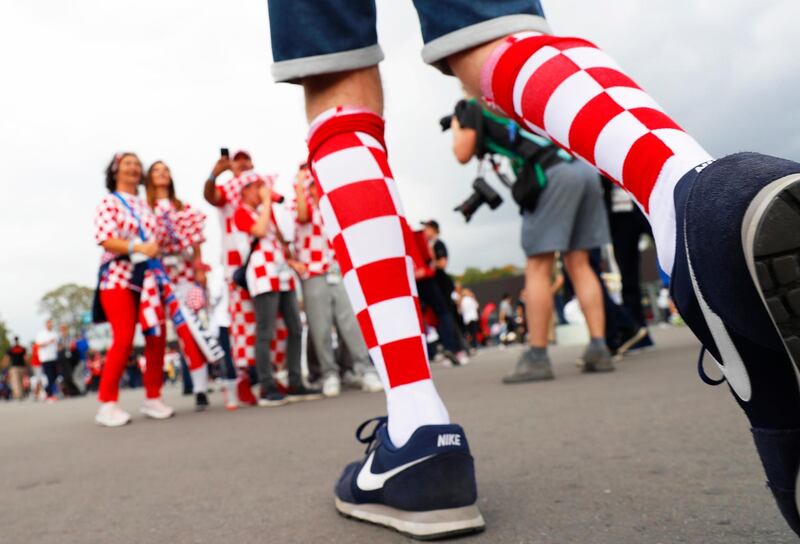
(471, 275)
(5, 340)
(66, 305)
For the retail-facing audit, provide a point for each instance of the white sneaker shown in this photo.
(331, 386)
(111, 415)
(351, 380)
(231, 395)
(462, 357)
(371, 383)
(156, 409)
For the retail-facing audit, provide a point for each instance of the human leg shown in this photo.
(15, 374)
(153, 378)
(228, 370)
(705, 229)
(431, 297)
(587, 291)
(120, 307)
(154, 349)
(360, 204)
(534, 364)
(348, 331)
(318, 304)
(287, 302)
(266, 308)
(365, 222)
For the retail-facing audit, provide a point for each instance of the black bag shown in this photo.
(137, 279)
(532, 179)
(240, 274)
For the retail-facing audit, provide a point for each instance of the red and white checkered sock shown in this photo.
(365, 223)
(243, 327)
(571, 92)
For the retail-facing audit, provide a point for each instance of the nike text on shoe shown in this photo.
(425, 489)
(736, 282)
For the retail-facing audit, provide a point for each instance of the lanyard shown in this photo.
(170, 228)
(125, 203)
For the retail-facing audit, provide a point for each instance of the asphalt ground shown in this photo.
(647, 454)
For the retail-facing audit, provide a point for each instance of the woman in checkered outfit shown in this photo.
(181, 236)
(117, 231)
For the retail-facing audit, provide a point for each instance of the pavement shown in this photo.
(648, 454)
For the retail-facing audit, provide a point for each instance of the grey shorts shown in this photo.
(313, 37)
(570, 214)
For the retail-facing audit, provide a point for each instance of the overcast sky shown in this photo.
(178, 79)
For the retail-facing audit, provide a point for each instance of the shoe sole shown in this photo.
(771, 243)
(100, 423)
(528, 379)
(301, 398)
(152, 415)
(272, 403)
(632, 341)
(431, 525)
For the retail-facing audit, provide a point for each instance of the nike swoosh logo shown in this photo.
(733, 366)
(369, 481)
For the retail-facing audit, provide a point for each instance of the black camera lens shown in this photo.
(470, 206)
(482, 194)
(489, 195)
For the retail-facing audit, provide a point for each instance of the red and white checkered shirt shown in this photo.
(179, 231)
(235, 243)
(113, 220)
(268, 270)
(311, 247)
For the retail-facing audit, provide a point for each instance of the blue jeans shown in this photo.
(312, 37)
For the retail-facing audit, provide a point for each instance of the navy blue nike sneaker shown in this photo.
(736, 283)
(425, 489)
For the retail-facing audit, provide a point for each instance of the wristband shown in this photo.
(212, 178)
(131, 245)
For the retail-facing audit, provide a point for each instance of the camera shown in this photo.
(482, 193)
(445, 122)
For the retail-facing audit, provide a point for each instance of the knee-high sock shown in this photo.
(154, 348)
(364, 220)
(571, 92)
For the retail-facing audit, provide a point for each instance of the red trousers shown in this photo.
(122, 310)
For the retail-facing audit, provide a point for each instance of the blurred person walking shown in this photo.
(17, 368)
(38, 379)
(469, 312)
(67, 361)
(47, 348)
(447, 287)
(126, 229)
(324, 296)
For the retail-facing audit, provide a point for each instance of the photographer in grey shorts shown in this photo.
(324, 296)
(562, 207)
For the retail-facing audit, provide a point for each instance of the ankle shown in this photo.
(537, 352)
